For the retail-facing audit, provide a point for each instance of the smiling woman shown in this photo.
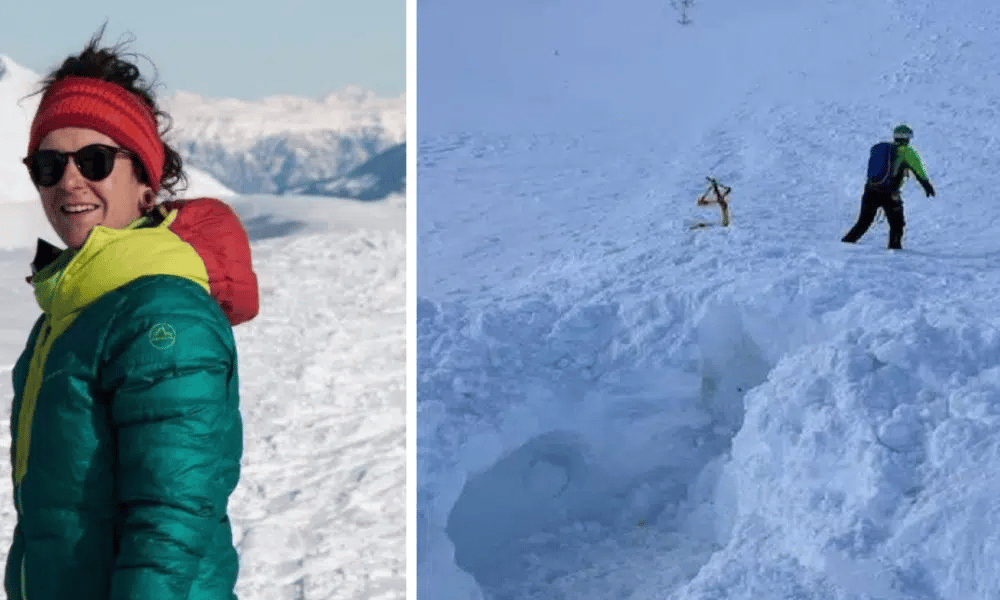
(126, 429)
(95, 108)
(90, 190)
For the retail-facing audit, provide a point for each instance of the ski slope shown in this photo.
(319, 510)
(611, 405)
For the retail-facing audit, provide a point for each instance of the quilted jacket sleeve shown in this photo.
(170, 361)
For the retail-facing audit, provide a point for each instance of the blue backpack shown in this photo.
(880, 175)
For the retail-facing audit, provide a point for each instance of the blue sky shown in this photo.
(222, 48)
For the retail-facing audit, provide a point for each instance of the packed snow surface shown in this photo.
(612, 404)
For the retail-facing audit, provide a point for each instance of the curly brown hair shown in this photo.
(110, 64)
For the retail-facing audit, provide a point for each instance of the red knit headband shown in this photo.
(104, 107)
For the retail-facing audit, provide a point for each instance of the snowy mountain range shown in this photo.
(277, 144)
(271, 146)
(378, 177)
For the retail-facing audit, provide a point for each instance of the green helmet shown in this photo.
(903, 132)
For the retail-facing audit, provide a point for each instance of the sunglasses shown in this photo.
(95, 162)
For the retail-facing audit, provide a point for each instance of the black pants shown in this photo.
(891, 204)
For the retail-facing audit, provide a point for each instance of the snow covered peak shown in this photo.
(351, 94)
(236, 122)
(14, 75)
(17, 107)
(15, 80)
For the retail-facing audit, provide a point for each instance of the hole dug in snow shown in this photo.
(606, 500)
(732, 363)
(542, 485)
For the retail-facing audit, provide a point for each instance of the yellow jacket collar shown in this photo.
(112, 258)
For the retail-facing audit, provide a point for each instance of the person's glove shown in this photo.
(928, 188)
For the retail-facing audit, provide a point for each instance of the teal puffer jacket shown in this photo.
(126, 429)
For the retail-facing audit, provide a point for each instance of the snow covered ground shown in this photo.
(319, 513)
(611, 405)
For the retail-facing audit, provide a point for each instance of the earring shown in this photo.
(147, 202)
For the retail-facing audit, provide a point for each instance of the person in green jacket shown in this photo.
(888, 198)
(125, 425)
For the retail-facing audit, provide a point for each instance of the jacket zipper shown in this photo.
(24, 548)
(24, 554)
(28, 404)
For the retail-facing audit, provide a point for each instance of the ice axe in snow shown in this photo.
(715, 194)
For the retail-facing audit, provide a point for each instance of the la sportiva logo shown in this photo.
(162, 336)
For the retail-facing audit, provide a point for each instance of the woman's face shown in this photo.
(114, 202)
